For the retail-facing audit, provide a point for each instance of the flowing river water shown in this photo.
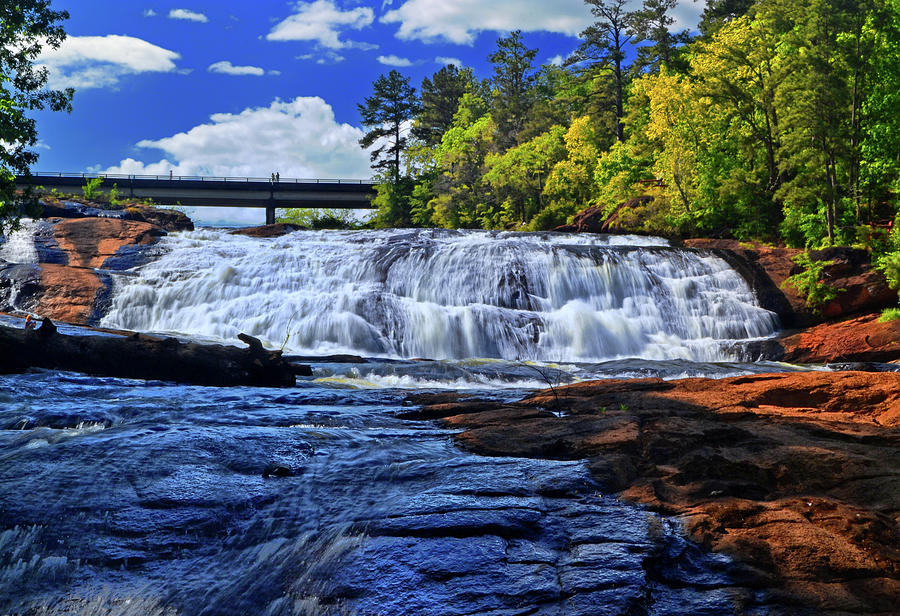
(131, 497)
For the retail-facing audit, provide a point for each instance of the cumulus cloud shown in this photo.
(445, 60)
(322, 22)
(188, 15)
(460, 21)
(393, 60)
(101, 61)
(227, 68)
(149, 13)
(298, 138)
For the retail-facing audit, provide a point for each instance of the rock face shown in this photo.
(795, 475)
(166, 219)
(865, 289)
(624, 219)
(68, 283)
(862, 339)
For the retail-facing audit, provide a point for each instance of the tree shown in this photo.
(605, 43)
(440, 100)
(513, 86)
(387, 113)
(651, 24)
(26, 27)
(719, 12)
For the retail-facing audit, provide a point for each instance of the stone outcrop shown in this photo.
(861, 339)
(139, 356)
(797, 476)
(69, 282)
(865, 289)
(626, 218)
(166, 219)
(276, 230)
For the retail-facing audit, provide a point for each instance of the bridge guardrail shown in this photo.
(197, 178)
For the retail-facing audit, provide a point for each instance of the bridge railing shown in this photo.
(196, 178)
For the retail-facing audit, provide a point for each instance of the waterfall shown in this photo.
(446, 295)
(19, 247)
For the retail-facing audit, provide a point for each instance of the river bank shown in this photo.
(794, 475)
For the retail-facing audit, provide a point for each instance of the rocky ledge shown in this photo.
(796, 476)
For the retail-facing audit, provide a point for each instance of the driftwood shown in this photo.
(138, 356)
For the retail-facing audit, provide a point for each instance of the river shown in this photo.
(127, 497)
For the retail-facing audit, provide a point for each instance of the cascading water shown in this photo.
(447, 295)
(19, 247)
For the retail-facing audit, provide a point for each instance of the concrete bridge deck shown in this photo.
(218, 191)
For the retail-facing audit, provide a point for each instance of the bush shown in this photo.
(91, 188)
(889, 314)
(810, 284)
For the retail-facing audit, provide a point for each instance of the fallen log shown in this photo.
(138, 356)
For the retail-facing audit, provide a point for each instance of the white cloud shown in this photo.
(445, 60)
(100, 61)
(556, 60)
(328, 57)
(227, 68)
(298, 138)
(393, 60)
(188, 15)
(460, 21)
(149, 13)
(321, 21)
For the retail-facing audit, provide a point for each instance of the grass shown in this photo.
(889, 314)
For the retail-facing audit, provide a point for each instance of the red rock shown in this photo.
(68, 293)
(861, 339)
(90, 241)
(795, 475)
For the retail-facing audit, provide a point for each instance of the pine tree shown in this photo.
(605, 42)
(513, 86)
(651, 24)
(440, 100)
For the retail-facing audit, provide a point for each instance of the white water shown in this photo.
(18, 247)
(444, 295)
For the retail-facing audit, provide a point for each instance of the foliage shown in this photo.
(26, 27)
(319, 218)
(889, 314)
(810, 283)
(91, 188)
(779, 123)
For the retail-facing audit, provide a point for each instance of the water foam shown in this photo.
(446, 295)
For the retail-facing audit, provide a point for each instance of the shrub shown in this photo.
(91, 188)
(810, 284)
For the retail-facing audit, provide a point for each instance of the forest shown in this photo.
(779, 121)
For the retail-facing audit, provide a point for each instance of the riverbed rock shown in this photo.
(276, 230)
(165, 218)
(862, 339)
(795, 475)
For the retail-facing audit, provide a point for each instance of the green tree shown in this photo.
(440, 100)
(26, 27)
(513, 83)
(717, 13)
(388, 114)
(606, 43)
(651, 25)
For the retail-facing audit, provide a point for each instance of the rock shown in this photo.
(277, 470)
(862, 339)
(626, 218)
(168, 219)
(864, 288)
(74, 209)
(795, 475)
(89, 242)
(143, 357)
(69, 294)
(276, 230)
(20, 286)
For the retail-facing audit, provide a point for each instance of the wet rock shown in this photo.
(89, 242)
(168, 219)
(795, 475)
(75, 209)
(276, 230)
(627, 217)
(20, 286)
(863, 339)
(277, 470)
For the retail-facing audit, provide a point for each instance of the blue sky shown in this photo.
(247, 88)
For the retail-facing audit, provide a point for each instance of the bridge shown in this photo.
(267, 193)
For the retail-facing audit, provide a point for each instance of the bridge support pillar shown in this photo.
(270, 215)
